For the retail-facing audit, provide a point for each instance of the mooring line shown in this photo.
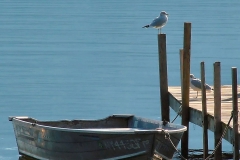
(220, 141)
(179, 112)
(167, 136)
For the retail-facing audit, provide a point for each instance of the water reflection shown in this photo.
(26, 158)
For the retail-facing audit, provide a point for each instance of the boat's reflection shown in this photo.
(26, 158)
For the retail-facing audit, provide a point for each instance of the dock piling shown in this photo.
(217, 110)
(162, 56)
(204, 112)
(181, 67)
(235, 114)
(185, 87)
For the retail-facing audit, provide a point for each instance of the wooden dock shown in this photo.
(195, 107)
(216, 111)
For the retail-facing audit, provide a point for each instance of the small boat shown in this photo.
(111, 138)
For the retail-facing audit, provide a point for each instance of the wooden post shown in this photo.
(163, 77)
(185, 88)
(235, 113)
(217, 110)
(204, 113)
(181, 67)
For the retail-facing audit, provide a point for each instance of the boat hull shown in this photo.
(50, 143)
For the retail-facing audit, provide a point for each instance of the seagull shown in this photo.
(159, 21)
(195, 84)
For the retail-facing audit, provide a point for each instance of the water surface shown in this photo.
(73, 60)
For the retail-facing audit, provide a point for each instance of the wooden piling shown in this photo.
(162, 55)
(235, 114)
(181, 67)
(185, 87)
(217, 110)
(204, 112)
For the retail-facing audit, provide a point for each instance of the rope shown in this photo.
(167, 136)
(179, 112)
(220, 141)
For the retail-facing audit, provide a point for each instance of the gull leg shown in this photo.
(197, 94)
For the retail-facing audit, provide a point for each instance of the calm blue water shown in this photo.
(89, 59)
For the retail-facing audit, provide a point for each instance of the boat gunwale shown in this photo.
(178, 128)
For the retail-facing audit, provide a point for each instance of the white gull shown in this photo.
(159, 21)
(195, 84)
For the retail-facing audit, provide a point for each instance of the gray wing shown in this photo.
(158, 22)
(196, 83)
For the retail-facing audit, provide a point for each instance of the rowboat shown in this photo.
(111, 138)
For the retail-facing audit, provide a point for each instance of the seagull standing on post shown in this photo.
(195, 84)
(159, 21)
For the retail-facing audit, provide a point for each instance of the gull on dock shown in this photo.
(195, 84)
